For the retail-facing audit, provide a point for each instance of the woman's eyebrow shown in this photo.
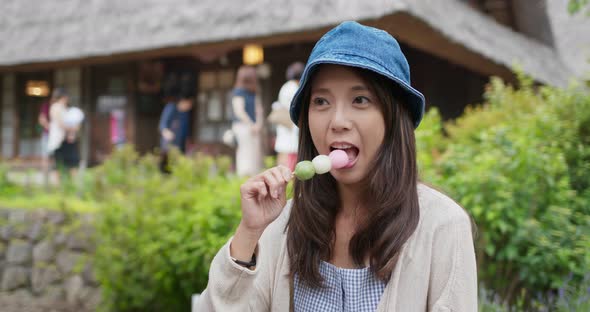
(320, 90)
(327, 90)
(359, 88)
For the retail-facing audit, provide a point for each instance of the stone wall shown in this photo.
(46, 262)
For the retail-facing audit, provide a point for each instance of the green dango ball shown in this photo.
(304, 170)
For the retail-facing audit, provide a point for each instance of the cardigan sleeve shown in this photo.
(453, 285)
(232, 287)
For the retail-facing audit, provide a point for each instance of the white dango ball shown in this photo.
(322, 164)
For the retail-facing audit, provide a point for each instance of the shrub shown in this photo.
(158, 233)
(519, 164)
(7, 188)
(565, 299)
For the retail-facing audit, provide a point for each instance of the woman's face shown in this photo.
(345, 113)
(64, 99)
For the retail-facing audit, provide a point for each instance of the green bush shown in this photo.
(520, 165)
(158, 233)
(7, 188)
(567, 298)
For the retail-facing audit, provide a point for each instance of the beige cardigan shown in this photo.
(436, 271)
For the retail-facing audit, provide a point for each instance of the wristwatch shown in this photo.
(245, 264)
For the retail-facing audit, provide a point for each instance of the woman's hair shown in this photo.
(58, 93)
(246, 78)
(389, 195)
(294, 71)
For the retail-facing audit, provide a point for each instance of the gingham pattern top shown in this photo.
(346, 290)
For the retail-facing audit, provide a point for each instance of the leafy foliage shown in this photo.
(7, 188)
(567, 298)
(158, 233)
(575, 6)
(520, 165)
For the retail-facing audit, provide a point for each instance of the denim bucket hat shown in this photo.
(352, 44)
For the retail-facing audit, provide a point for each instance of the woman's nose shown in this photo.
(340, 119)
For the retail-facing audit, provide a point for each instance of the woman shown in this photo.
(62, 142)
(287, 132)
(366, 237)
(247, 122)
(43, 120)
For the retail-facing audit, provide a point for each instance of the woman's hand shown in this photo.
(256, 128)
(72, 133)
(167, 134)
(263, 198)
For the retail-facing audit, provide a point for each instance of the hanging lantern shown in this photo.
(38, 88)
(253, 54)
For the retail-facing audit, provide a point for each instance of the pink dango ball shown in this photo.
(339, 158)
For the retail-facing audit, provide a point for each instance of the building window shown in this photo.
(214, 104)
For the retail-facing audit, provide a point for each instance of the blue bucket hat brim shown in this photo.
(415, 100)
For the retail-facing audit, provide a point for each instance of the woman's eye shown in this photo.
(319, 101)
(361, 100)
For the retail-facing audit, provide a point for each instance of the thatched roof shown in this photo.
(52, 31)
(492, 40)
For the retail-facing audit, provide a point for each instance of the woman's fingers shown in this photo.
(286, 173)
(273, 181)
(263, 197)
(262, 190)
(270, 182)
(252, 189)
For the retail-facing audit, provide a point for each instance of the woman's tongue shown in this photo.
(352, 153)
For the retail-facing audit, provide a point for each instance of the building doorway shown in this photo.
(111, 101)
(33, 92)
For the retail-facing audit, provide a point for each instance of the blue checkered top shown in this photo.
(345, 290)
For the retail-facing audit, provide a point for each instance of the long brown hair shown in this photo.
(390, 195)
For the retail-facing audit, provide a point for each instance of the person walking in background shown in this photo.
(64, 126)
(43, 120)
(287, 132)
(117, 128)
(247, 122)
(174, 125)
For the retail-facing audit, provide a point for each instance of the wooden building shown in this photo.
(116, 56)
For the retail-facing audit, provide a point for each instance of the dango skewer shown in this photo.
(305, 170)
